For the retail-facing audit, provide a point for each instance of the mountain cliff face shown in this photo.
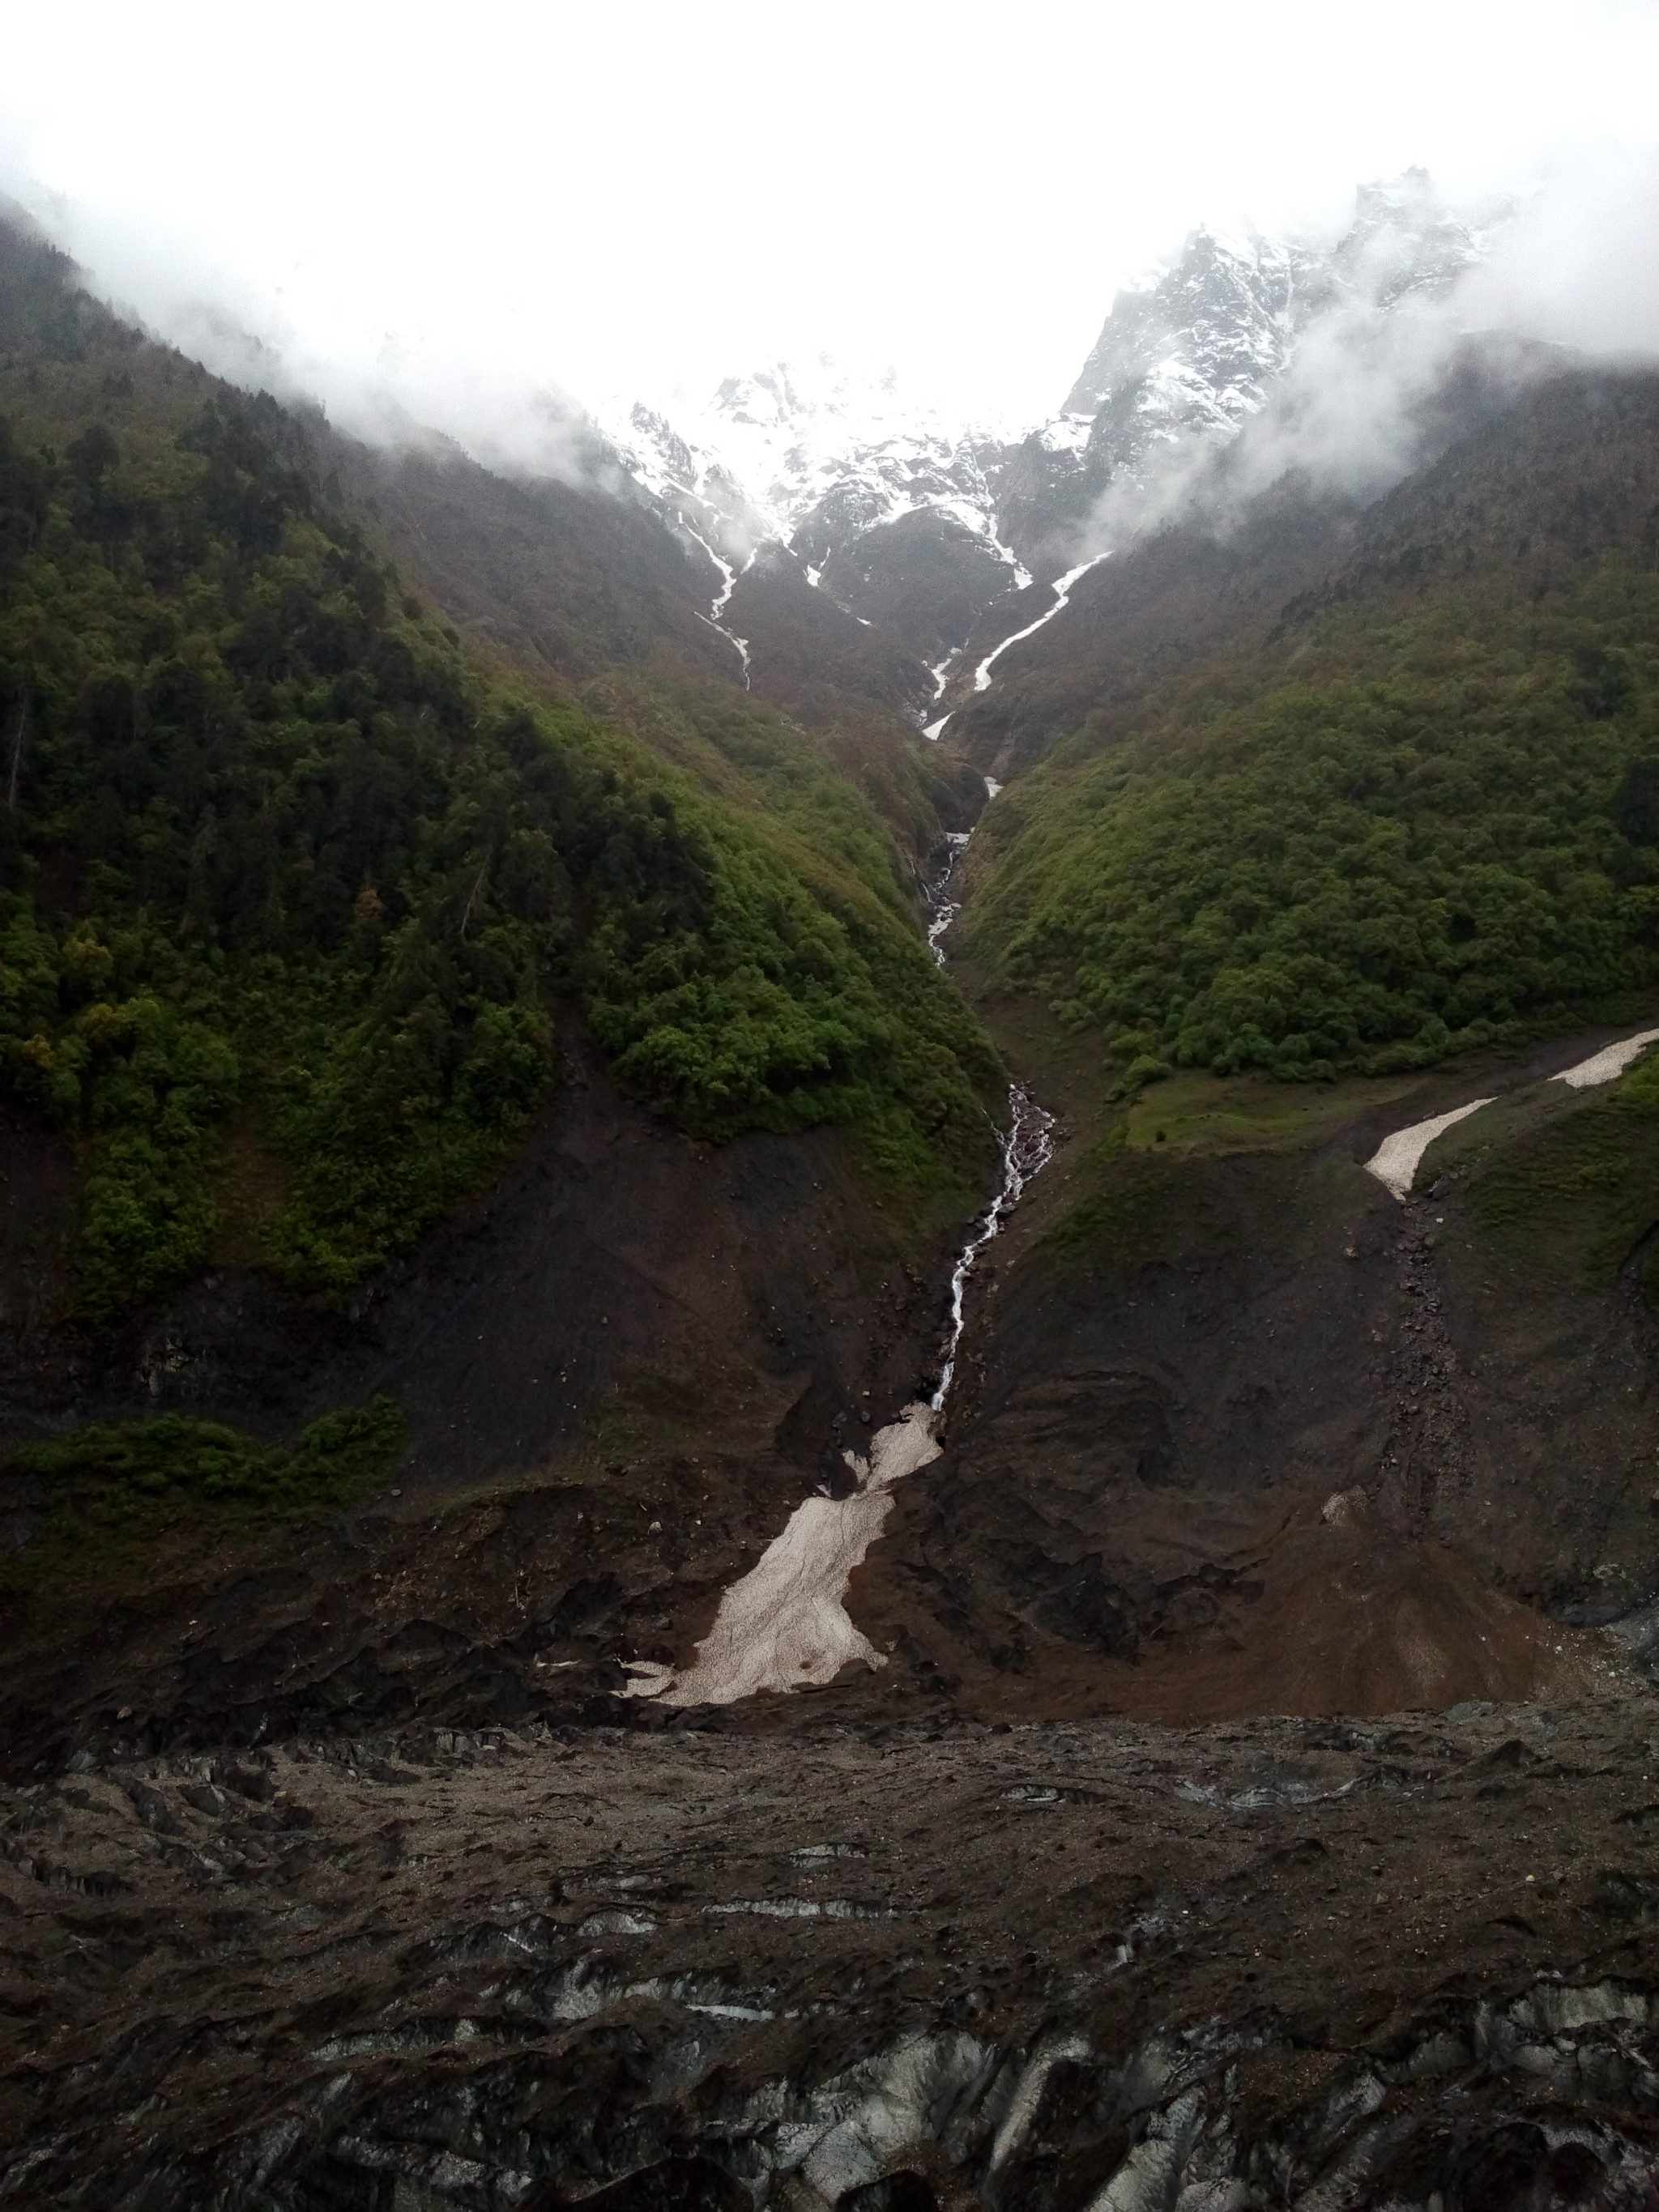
(1197, 350)
(814, 461)
(810, 455)
(919, 526)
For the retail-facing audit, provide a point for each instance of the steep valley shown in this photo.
(504, 1031)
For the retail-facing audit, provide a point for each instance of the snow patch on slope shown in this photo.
(1062, 590)
(1610, 1062)
(785, 1626)
(810, 451)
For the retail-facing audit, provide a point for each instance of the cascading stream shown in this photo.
(729, 575)
(1062, 588)
(784, 1626)
(1026, 1151)
(944, 909)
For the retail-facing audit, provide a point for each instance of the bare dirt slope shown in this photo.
(1238, 1431)
(343, 1875)
(622, 1368)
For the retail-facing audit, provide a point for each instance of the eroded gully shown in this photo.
(715, 617)
(784, 1626)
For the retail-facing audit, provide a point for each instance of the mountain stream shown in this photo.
(728, 584)
(784, 1626)
(1062, 592)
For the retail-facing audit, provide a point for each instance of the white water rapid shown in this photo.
(1026, 1151)
(945, 908)
(784, 1626)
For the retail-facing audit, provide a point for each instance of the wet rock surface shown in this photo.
(1398, 1962)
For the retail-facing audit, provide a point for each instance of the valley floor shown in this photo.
(1410, 1960)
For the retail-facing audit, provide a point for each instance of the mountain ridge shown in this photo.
(829, 466)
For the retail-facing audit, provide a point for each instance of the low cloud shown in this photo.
(1367, 393)
(1575, 268)
(400, 393)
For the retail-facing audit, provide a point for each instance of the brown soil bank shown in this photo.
(1239, 1432)
(1235, 1432)
(621, 1368)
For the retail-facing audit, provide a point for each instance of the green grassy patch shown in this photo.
(1579, 1194)
(101, 1499)
(1193, 1112)
(1142, 1208)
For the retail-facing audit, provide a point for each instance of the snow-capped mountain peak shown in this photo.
(918, 519)
(811, 456)
(1403, 241)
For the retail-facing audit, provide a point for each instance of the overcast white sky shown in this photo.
(482, 197)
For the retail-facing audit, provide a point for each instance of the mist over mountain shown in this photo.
(1334, 362)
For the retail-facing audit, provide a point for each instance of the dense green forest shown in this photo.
(291, 890)
(1424, 816)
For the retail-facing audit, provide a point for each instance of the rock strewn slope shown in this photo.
(1370, 1965)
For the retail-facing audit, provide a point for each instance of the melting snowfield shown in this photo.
(1604, 1066)
(940, 672)
(1395, 1161)
(785, 1626)
(1062, 591)
(945, 908)
(1062, 599)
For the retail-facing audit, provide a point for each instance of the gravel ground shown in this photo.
(1021, 1965)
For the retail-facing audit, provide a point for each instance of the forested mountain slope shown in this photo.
(1408, 809)
(482, 1146)
(581, 582)
(292, 887)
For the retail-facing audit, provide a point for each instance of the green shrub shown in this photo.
(1582, 1191)
(106, 1493)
